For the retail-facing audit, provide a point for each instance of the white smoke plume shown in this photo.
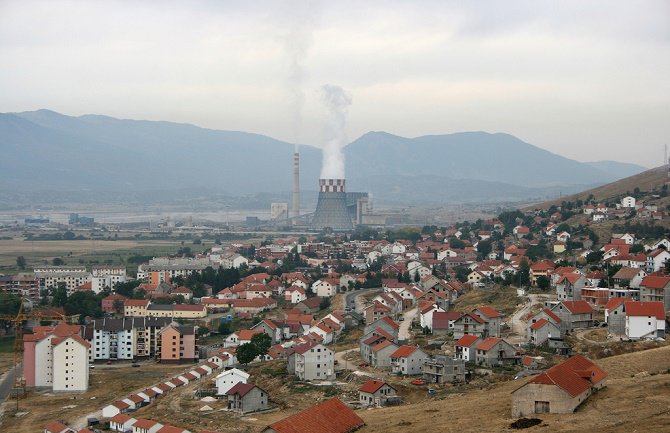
(337, 101)
(301, 17)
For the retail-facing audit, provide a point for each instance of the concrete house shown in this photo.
(494, 352)
(547, 315)
(380, 354)
(540, 332)
(121, 423)
(229, 378)
(560, 389)
(569, 287)
(311, 361)
(573, 315)
(270, 328)
(375, 393)
(465, 347)
(247, 397)
(442, 369)
(657, 259)
(615, 316)
(386, 324)
(408, 360)
(469, 323)
(492, 320)
(656, 288)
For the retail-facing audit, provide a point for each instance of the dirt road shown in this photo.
(518, 322)
(409, 315)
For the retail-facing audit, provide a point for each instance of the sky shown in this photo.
(589, 80)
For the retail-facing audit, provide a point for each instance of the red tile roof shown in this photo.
(120, 418)
(246, 334)
(391, 322)
(55, 427)
(382, 345)
(145, 423)
(441, 319)
(467, 340)
(403, 351)
(331, 416)
(578, 307)
(571, 375)
(488, 343)
(549, 313)
(241, 388)
(655, 282)
(488, 311)
(634, 308)
(372, 386)
(539, 324)
(615, 302)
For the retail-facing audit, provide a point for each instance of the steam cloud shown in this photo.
(301, 18)
(337, 101)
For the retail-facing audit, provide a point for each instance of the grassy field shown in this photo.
(84, 252)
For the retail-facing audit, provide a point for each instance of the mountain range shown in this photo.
(47, 151)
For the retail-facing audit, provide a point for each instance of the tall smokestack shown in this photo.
(296, 187)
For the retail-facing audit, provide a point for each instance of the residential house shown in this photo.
(380, 354)
(247, 397)
(573, 315)
(442, 369)
(492, 320)
(569, 287)
(384, 323)
(57, 427)
(309, 305)
(408, 360)
(146, 426)
(326, 287)
(657, 260)
(426, 315)
(495, 352)
(311, 361)
(331, 416)
(469, 323)
(560, 389)
(376, 393)
(240, 337)
(443, 322)
(644, 320)
(540, 332)
(121, 423)
(229, 378)
(627, 277)
(178, 343)
(615, 316)
(464, 348)
(295, 294)
(656, 288)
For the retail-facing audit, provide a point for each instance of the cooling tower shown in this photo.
(331, 209)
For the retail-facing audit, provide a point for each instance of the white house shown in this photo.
(325, 287)
(228, 379)
(311, 361)
(645, 320)
(628, 202)
(121, 423)
(295, 294)
(408, 360)
(465, 347)
(426, 315)
(656, 260)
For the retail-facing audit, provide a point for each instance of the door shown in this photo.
(541, 407)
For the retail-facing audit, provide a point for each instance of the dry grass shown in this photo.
(627, 404)
(503, 299)
(106, 385)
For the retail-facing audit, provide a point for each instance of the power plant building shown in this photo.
(338, 209)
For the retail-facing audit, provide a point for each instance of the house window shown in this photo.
(541, 407)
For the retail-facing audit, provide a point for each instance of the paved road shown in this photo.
(352, 300)
(7, 382)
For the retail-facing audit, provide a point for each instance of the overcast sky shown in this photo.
(589, 80)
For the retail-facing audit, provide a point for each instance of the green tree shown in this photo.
(21, 262)
(9, 304)
(59, 295)
(417, 277)
(484, 248)
(523, 276)
(246, 353)
(325, 303)
(261, 343)
(543, 282)
(57, 261)
(84, 303)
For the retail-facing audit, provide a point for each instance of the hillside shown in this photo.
(646, 181)
(625, 405)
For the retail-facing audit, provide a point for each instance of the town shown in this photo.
(291, 332)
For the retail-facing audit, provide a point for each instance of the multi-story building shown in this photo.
(442, 369)
(126, 338)
(171, 268)
(56, 357)
(311, 361)
(107, 276)
(22, 285)
(71, 276)
(178, 343)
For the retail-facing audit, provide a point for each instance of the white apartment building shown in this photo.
(72, 276)
(107, 276)
(311, 361)
(125, 338)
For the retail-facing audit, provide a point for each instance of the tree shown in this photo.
(325, 303)
(21, 262)
(57, 261)
(261, 343)
(484, 248)
(523, 276)
(246, 353)
(543, 282)
(417, 277)
(126, 288)
(59, 295)
(9, 304)
(84, 303)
